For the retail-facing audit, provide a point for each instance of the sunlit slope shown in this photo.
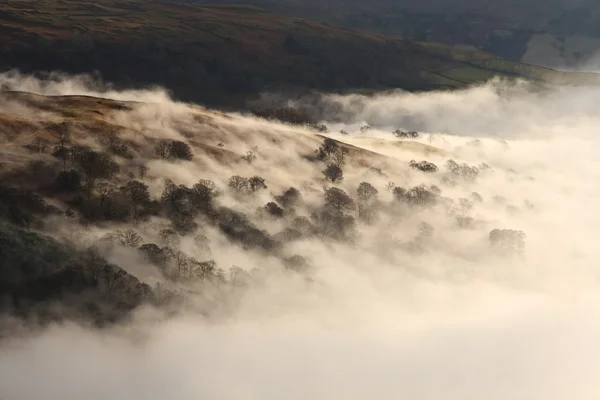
(219, 141)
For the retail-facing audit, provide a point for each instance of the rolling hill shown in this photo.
(224, 55)
(558, 33)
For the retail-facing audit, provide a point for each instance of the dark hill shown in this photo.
(224, 55)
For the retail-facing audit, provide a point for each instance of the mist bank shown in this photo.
(404, 290)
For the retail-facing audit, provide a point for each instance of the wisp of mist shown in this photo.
(456, 322)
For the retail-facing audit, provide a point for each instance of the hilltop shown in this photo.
(226, 54)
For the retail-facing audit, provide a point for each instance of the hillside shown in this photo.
(558, 33)
(180, 196)
(224, 55)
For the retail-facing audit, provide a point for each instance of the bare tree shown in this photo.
(202, 243)
(249, 157)
(448, 205)
(424, 166)
(464, 206)
(476, 197)
(272, 209)
(339, 157)
(256, 183)
(205, 270)
(138, 196)
(157, 255)
(328, 148)
(174, 197)
(96, 166)
(169, 237)
(508, 240)
(137, 192)
(181, 150)
(465, 171)
(238, 183)
(338, 200)
(420, 196)
(238, 277)
(426, 230)
(303, 225)
(116, 145)
(64, 153)
(334, 173)
(183, 265)
(105, 189)
(366, 192)
(128, 238)
(38, 146)
(296, 263)
(203, 194)
(399, 193)
(142, 171)
(367, 214)
(406, 135)
(163, 149)
(289, 198)
(61, 131)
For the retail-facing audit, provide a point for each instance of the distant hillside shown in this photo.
(555, 33)
(224, 55)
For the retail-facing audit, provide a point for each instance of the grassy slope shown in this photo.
(223, 55)
(527, 14)
(482, 23)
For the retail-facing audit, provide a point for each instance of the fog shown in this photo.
(455, 320)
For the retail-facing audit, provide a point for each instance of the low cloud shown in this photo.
(452, 321)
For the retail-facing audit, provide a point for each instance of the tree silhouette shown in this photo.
(328, 148)
(256, 183)
(338, 200)
(334, 173)
(163, 149)
(181, 150)
(238, 184)
(366, 192)
(96, 166)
